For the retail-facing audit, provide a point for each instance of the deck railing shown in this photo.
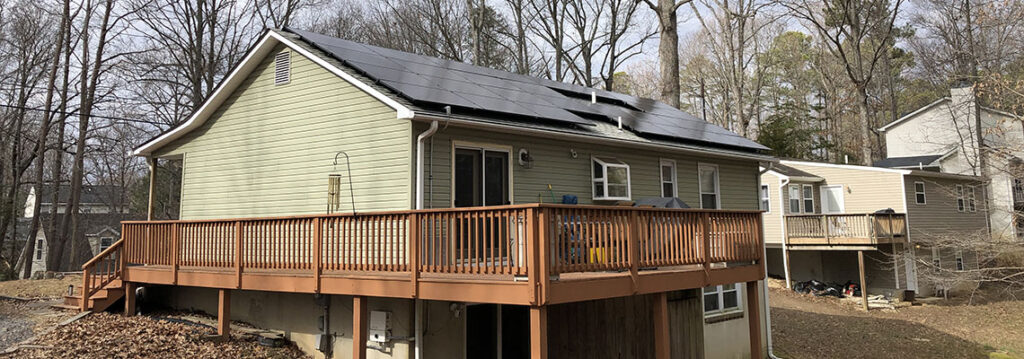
(505, 240)
(100, 271)
(838, 229)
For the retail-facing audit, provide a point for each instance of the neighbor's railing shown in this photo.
(844, 228)
(501, 240)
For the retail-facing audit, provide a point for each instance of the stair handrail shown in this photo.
(88, 271)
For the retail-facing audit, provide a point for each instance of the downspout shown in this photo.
(783, 182)
(417, 303)
(764, 283)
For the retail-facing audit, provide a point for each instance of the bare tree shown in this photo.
(668, 47)
(857, 33)
(734, 30)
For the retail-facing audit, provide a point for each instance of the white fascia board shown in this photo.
(241, 72)
(848, 167)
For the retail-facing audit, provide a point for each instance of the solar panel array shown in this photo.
(429, 80)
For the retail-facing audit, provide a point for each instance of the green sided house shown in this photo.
(892, 228)
(375, 203)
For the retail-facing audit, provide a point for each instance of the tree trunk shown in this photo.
(865, 125)
(668, 52)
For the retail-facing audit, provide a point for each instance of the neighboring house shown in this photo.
(101, 211)
(943, 137)
(452, 247)
(820, 217)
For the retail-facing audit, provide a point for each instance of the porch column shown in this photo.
(754, 320)
(662, 341)
(224, 314)
(151, 161)
(785, 261)
(863, 281)
(359, 327)
(129, 298)
(539, 332)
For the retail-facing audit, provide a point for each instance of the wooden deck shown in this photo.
(838, 230)
(534, 254)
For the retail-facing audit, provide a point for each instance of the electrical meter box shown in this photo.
(380, 326)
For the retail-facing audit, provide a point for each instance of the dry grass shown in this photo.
(805, 326)
(105, 335)
(41, 288)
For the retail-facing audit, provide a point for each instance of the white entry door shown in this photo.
(832, 199)
(911, 265)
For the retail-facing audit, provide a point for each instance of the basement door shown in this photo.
(497, 331)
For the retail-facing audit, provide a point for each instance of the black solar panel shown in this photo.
(428, 80)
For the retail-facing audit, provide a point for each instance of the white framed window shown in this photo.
(971, 203)
(39, 249)
(808, 192)
(765, 199)
(936, 259)
(722, 299)
(708, 180)
(959, 261)
(794, 198)
(611, 179)
(919, 196)
(960, 202)
(106, 242)
(668, 178)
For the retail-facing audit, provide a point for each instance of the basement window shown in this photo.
(611, 179)
(282, 68)
(722, 299)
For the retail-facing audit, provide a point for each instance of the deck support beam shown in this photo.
(754, 320)
(224, 314)
(129, 298)
(662, 337)
(863, 280)
(785, 261)
(539, 332)
(359, 327)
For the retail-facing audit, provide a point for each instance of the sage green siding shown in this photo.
(554, 165)
(269, 149)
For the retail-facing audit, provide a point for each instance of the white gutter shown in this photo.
(783, 182)
(417, 303)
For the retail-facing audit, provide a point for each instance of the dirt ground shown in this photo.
(804, 326)
(42, 288)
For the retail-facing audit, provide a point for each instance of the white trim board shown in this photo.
(230, 83)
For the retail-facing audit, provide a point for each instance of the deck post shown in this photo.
(539, 332)
(129, 298)
(359, 327)
(152, 187)
(662, 341)
(785, 261)
(754, 320)
(863, 281)
(224, 314)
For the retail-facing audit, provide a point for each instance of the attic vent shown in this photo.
(282, 68)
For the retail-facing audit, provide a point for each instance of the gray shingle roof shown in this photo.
(430, 83)
(791, 171)
(904, 162)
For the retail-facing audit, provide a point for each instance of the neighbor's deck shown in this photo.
(838, 231)
(535, 254)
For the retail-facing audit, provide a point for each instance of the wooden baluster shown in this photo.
(634, 247)
(707, 241)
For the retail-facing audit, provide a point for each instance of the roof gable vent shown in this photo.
(282, 68)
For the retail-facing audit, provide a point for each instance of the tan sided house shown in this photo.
(375, 203)
(839, 223)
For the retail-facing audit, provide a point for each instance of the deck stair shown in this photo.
(101, 282)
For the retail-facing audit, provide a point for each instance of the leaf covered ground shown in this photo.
(804, 326)
(105, 335)
(39, 288)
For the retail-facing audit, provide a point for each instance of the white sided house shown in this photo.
(943, 136)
